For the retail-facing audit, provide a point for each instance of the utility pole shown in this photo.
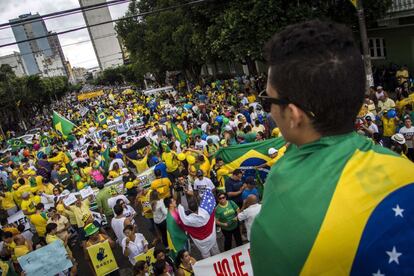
(364, 41)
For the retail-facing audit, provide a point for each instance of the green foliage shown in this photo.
(233, 30)
(21, 98)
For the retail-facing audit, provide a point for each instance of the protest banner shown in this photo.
(90, 95)
(233, 262)
(101, 219)
(19, 218)
(70, 199)
(86, 192)
(102, 258)
(147, 257)
(48, 260)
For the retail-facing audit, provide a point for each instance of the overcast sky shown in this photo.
(79, 55)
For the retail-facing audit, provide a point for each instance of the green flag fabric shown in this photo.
(101, 118)
(44, 141)
(179, 134)
(62, 125)
(330, 208)
(106, 159)
(176, 237)
(16, 144)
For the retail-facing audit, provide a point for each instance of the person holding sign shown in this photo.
(133, 244)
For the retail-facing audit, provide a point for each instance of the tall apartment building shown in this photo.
(43, 56)
(16, 63)
(104, 37)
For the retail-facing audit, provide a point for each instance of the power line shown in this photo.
(109, 21)
(60, 13)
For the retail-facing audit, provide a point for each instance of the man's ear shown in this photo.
(297, 117)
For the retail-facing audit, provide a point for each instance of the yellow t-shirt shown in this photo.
(28, 205)
(51, 238)
(113, 174)
(146, 205)
(170, 161)
(140, 165)
(47, 189)
(221, 173)
(7, 201)
(39, 223)
(251, 98)
(389, 125)
(21, 250)
(162, 185)
(81, 213)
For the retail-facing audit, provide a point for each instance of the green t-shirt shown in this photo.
(102, 201)
(227, 214)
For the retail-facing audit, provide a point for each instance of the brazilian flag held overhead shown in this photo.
(16, 144)
(179, 134)
(337, 206)
(62, 125)
(101, 118)
(44, 141)
(247, 156)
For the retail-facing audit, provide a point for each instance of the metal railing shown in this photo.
(401, 5)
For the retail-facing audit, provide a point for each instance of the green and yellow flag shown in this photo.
(62, 125)
(16, 144)
(354, 2)
(338, 206)
(101, 118)
(178, 134)
(44, 141)
(176, 237)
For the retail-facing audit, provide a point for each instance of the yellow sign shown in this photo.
(90, 95)
(102, 258)
(147, 257)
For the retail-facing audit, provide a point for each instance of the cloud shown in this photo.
(79, 55)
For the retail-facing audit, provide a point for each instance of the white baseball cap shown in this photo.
(271, 151)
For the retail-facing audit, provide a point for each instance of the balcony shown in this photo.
(401, 6)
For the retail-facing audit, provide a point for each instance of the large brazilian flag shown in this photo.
(337, 206)
(62, 125)
(249, 155)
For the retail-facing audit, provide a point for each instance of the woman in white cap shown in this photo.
(398, 144)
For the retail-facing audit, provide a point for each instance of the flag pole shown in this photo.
(365, 46)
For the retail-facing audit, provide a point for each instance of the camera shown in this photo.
(178, 188)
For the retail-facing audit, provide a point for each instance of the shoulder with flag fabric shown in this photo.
(333, 207)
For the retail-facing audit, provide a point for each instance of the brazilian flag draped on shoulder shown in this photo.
(338, 206)
(44, 141)
(247, 156)
(62, 126)
(101, 118)
(16, 143)
(176, 238)
(179, 134)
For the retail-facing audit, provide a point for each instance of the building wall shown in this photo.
(16, 63)
(104, 37)
(399, 45)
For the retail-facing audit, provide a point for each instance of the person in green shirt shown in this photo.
(102, 201)
(196, 131)
(226, 217)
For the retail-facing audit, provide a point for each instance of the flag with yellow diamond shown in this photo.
(62, 125)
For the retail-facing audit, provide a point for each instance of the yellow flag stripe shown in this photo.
(365, 181)
(250, 154)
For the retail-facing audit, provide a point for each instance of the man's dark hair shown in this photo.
(159, 267)
(118, 210)
(318, 67)
(167, 202)
(157, 173)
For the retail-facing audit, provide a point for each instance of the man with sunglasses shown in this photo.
(328, 202)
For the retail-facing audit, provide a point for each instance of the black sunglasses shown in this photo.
(268, 101)
(222, 197)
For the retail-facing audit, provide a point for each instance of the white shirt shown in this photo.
(408, 135)
(204, 127)
(200, 145)
(178, 145)
(202, 185)
(373, 127)
(248, 215)
(117, 225)
(160, 212)
(135, 247)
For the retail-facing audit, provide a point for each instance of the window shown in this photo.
(377, 48)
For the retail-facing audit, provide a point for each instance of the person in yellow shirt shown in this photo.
(115, 172)
(389, 124)
(46, 187)
(39, 221)
(171, 161)
(141, 164)
(7, 201)
(221, 173)
(22, 247)
(28, 204)
(161, 185)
